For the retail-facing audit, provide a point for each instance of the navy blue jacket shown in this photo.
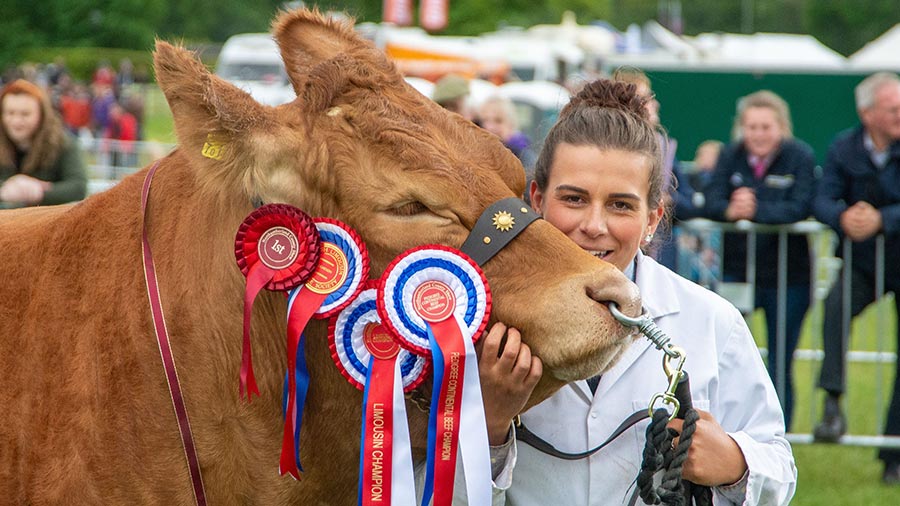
(783, 195)
(850, 176)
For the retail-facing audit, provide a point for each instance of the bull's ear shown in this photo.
(307, 39)
(213, 118)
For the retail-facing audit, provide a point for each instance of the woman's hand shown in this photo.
(24, 189)
(508, 377)
(742, 205)
(714, 458)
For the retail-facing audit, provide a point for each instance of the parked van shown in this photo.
(252, 62)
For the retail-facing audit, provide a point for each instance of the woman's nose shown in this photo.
(593, 223)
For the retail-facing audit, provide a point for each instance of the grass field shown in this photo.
(828, 474)
(832, 474)
(157, 117)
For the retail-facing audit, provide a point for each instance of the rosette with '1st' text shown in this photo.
(277, 247)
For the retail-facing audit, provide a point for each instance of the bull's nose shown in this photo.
(612, 286)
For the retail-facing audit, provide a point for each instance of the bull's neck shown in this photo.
(192, 232)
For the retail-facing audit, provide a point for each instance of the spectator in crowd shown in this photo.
(104, 75)
(125, 77)
(56, 70)
(598, 179)
(122, 127)
(75, 107)
(767, 176)
(678, 190)
(705, 159)
(452, 92)
(497, 115)
(859, 197)
(103, 100)
(133, 103)
(39, 162)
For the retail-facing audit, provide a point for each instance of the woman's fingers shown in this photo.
(490, 345)
(511, 350)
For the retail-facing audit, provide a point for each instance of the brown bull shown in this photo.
(85, 414)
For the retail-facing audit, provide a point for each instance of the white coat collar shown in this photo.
(657, 297)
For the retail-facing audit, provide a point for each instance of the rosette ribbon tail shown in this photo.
(447, 409)
(376, 459)
(301, 306)
(386, 470)
(456, 421)
(258, 276)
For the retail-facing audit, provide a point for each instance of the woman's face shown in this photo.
(599, 199)
(492, 118)
(761, 130)
(21, 118)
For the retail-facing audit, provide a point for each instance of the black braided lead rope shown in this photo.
(659, 455)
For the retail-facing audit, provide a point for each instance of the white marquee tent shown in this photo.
(882, 53)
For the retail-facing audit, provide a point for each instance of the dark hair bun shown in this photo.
(607, 94)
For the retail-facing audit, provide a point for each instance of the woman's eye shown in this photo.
(621, 205)
(573, 199)
(409, 209)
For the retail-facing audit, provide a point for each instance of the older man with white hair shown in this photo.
(859, 196)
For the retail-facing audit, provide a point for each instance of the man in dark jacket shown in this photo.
(859, 197)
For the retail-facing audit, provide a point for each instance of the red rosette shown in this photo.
(277, 247)
(284, 239)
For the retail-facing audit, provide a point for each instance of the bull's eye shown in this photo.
(409, 209)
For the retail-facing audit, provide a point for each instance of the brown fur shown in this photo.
(86, 415)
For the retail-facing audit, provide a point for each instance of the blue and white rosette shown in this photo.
(372, 361)
(338, 278)
(435, 300)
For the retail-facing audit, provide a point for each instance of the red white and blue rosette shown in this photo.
(435, 300)
(277, 248)
(371, 360)
(338, 278)
(431, 269)
(350, 338)
(346, 242)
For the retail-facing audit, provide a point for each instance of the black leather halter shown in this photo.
(499, 224)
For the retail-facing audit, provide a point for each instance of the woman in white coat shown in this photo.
(598, 179)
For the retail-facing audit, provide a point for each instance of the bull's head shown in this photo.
(360, 145)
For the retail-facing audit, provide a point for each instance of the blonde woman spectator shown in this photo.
(767, 176)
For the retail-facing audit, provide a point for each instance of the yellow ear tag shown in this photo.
(214, 147)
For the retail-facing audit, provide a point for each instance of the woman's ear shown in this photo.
(655, 217)
(537, 197)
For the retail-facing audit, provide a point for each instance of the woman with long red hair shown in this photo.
(40, 164)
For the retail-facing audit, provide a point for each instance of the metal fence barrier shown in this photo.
(825, 270)
(109, 161)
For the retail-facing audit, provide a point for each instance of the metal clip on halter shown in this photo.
(646, 326)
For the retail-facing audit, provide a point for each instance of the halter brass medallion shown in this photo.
(503, 221)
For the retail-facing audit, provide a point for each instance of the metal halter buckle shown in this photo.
(647, 326)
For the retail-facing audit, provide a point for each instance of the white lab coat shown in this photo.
(728, 379)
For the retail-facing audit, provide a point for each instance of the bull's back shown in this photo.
(71, 281)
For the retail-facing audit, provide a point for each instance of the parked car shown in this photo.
(252, 62)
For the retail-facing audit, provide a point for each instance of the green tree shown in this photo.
(846, 26)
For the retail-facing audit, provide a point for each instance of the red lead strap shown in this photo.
(165, 350)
